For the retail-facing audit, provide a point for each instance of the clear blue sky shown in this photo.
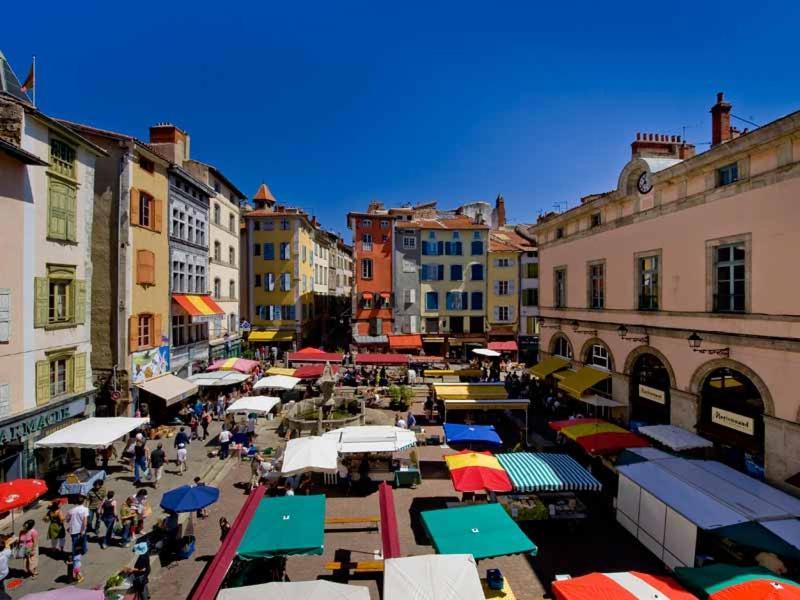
(339, 103)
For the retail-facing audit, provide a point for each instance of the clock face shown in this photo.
(645, 183)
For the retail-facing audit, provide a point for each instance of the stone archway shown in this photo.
(704, 370)
(587, 347)
(639, 351)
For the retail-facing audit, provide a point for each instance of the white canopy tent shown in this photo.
(170, 388)
(94, 432)
(309, 454)
(486, 352)
(277, 382)
(432, 577)
(254, 404)
(372, 438)
(318, 589)
(674, 437)
(218, 378)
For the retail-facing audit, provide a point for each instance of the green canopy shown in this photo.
(285, 526)
(483, 530)
(720, 577)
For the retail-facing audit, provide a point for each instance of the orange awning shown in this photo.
(405, 342)
(200, 308)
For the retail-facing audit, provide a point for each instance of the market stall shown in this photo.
(313, 371)
(159, 396)
(280, 371)
(94, 432)
(276, 382)
(318, 589)
(675, 438)
(458, 433)
(253, 404)
(390, 533)
(548, 366)
(242, 365)
(311, 454)
(218, 378)
(285, 526)
(729, 582)
(314, 355)
(432, 576)
(369, 450)
(477, 472)
(482, 530)
(620, 586)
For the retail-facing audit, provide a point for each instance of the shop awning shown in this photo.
(254, 404)
(405, 342)
(545, 472)
(470, 391)
(559, 425)
(312, 371)
(242, 365)
(315, 357)
(273, 335)
(458, 433)
(509, 346)
(280, 371)
(432, 577)
(218, 378)
(477, 472)
(675, 438)
(390, 533)
(285, 526)
(620, 586)
(318, 589)
(482, 530)
(372, 438)
(433, 339)
(574, 432)
(94, 432)
(548, 366)
(438, 373)
(170, 388)
(200, 308)
(365, 358)
(728, 582)
(576, 384)
(278, 382)
(488, 404)
(611, 442)
(312, 454)
(368, 340)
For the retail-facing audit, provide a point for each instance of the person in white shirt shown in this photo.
(250, 428)
(181, 458)
(5, 555)
(412, 376)
(77, 522)
(225, 437)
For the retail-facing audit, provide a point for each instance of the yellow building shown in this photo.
(279, 271)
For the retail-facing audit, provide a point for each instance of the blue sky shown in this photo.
(335, 104)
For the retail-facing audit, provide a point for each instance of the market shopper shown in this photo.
(5, 556)
(127, 518)
(180, 458)
(109, 516)
(140, 572)
(77, 524)
(56, 530)
(96, 496)
(29, 547)
(157, 459)
(140, 456)
(225, 437)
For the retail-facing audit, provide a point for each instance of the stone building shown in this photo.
(406, 279)
(673, 288)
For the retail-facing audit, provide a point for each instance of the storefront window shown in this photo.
(650, 391)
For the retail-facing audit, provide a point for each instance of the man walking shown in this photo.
(224, 442)
(96, 496)
(181, 438)
(77, 524)
(140, 455)
(157, 460)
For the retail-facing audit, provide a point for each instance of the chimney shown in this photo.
(500, 210)
(720, 121)
(660, 145)
(171, 141)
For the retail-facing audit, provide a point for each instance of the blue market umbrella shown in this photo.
(189, 498)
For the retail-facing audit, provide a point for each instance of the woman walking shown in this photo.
(108, 515)
(56, 532)
(29, 543)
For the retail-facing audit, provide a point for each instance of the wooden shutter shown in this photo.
(496, 288)
(42, 381)
(511, 288)
(155, 331)
(79, 362)
(157, 206)
(80, 301)
(5, 314)
(496, 313)
(145, 267)
(5, 399)
(41, 307)
(133, 333)
(134, 206)
(72, 213)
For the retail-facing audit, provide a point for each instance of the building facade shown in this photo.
(674, 285)
(528, 337)
(503, 285)
(406, 279)
(47, 199)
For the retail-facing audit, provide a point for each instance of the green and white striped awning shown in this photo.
(545, 472)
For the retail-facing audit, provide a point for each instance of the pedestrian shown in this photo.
(29, 545)
(108, 514)
(411, 420)
(56, 531)
(127, 518)
(202, 513)
(140, 572)
(400, 422)
(194, 423)
(224, 528)
(180, 458)
(140, 456)
(157, 459)
(181, 438)
(220, 406)
(143, 509)
(250, 428)
(5, 555)
(225, 437)
(77, 523)
(205, 421)
(255, 471)
(96, 496)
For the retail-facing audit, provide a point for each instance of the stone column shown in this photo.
(781, 451)
(684, 409)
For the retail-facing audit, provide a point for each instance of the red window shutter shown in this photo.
(157, 208)
(134, 206)
(133, 333)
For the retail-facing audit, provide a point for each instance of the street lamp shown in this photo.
(623, 334)
(695, 341)
(576, 327)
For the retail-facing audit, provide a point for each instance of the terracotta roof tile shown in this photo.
(457, 222)
(264, 194)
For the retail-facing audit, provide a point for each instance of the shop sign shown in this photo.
(26, 427)
(652, 394)
(150, 363)
(245, 326)
(733, 421)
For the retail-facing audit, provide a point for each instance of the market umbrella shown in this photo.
(188, 498)
(620, 586)
(486, 352)
(19, 493)
(611, 442)
(318, 589)
(242, 365)
(66, 593)
(476, 472)
(728, 582)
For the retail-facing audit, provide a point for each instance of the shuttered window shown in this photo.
(61, 373)
(147, 211)
(59, 298)
(145, 267)
(5, 400)
(61, 210)
(5, 314)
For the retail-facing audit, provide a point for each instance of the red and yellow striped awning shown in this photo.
(200, 308)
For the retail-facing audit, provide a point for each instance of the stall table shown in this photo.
(553, 506)
(80, 482)
(407, 477)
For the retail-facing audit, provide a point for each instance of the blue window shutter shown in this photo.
(459, 249)
(441, 273)
(465, 300)
(440, 248)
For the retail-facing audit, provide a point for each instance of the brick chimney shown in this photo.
(720, 121)
(500, 210)
(171, 141)
(660, 145)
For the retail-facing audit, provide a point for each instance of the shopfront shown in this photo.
(19, 433)
(227, 348)
(649, 395)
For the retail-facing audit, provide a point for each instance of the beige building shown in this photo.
(46, 198)
(676, 288)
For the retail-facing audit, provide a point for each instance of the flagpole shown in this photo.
(35, 83)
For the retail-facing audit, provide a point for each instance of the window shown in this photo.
(61, 210)
(476, 301)
(597, 285)
(285, 251)
(146, 164)
(217, 288)
(217, 214)
(256, 249)
(231, 255)
(431, 273)
(366, 242)
(59, 299)
(269, 281)
(501, 288)
(532, 270)
(409, 296)
(232, 225)
(476, 272)
(268, 225)
(409, 266)
(730, 278)
(366, 268)
(217, 187)
(457, 300)
(286, 282)
(258, 280)
(598, 357)
(145, 209)
(145, 267)
(409, 242)
(59, 309)
(595, 220)
(430, 248)
(366, 223)
(476, 324)
(501, 313)
(231, 289)
(560, 288)
(432, 301)
(531, 326)
(217, 251)
(384, 224)
(269, 251)
(284, 224)
(559, 233)
(367, 300)
(179, 333)
(145, 334)
(384, 238)
(456, 273)
(502, 262)
(530, 297)
(452, 248)
(476, 235)
(648, 267)
(728, 174)
(562, 347)
(62, 158)
(5, 316)
(58, 376)
(477, 247)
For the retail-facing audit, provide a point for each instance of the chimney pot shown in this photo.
(720, 96)
(638, 136)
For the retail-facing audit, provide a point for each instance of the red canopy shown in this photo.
(217, 569)
(364, 358)
(611, 442)
(390, 534)
(318, 356)
(619, 586)
(405, 342)
(559, 425)
(310, 350)
(510, 346)
(20, 492)
(312, 371)
(478, 472)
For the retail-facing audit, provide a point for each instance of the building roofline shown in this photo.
(143, 146)
(220, 175)
(21, 155)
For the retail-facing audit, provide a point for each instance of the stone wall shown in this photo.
(11, 117)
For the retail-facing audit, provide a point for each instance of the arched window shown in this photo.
(231, 255)
(562, 347)
(231, 289)
(217, 287)
(599, 357)
(217, 251)
(217, 214)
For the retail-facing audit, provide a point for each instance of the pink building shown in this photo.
(679, 287)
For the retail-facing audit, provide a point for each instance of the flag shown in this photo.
(30, 81)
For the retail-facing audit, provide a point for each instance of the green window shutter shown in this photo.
(80, 372)
(72, 213)
(80, 301)
(41, 309)
(71, 374)
(56, 210)
(42, 381)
